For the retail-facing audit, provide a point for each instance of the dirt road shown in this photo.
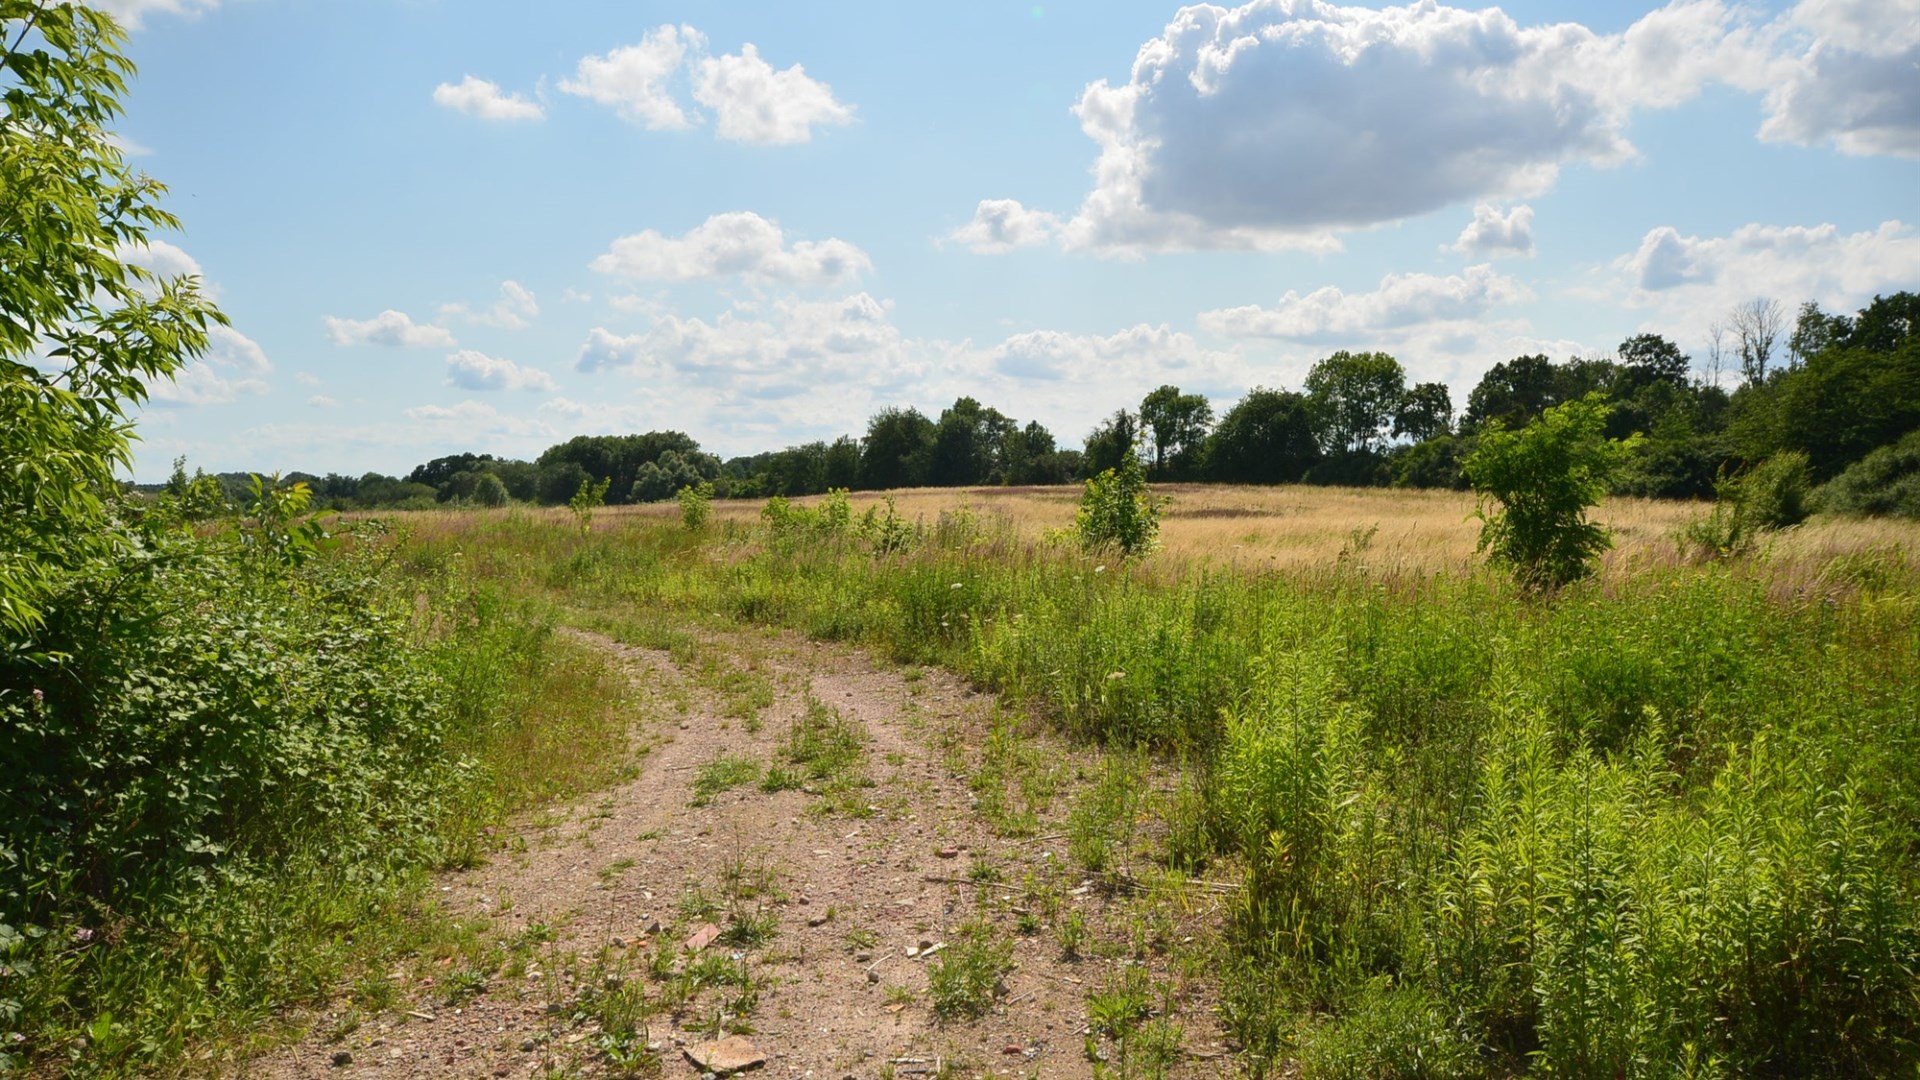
(842, 868)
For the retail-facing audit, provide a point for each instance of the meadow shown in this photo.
(1656, 824)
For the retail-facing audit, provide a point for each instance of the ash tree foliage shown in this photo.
(82, 331)
(1176, 426)
(1536, 485)
(219, 742)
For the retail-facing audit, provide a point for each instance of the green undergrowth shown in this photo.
(227, 799)
(1659, 824)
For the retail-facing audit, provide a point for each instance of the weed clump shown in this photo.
(963, 983)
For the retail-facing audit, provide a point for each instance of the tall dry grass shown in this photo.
(1294, 528)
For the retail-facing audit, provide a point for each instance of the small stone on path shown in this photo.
(703, 937)
(729, 1055)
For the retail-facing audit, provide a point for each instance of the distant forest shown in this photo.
(1844, 390)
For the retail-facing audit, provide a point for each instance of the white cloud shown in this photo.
(1700, 278)
(470, 370)
(1402, 302)
(1493, 234)
(750, 101)
(754, 103)
(200, 383)
(792, 347)
(514, 310)
(131, 12)
(474, 420)
(742, 244)
(305, 378)
(1855, 79)
(1280, 123)
(390, 327)
(321, 401)
(1001, 225)
(478, 97)
(1128, 357)
(228, 347)
(632, 80)
(161, 259)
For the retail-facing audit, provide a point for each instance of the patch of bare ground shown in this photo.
(864, 873)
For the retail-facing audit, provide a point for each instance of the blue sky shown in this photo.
(442, 226)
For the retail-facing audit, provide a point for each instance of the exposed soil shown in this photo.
(601, 897)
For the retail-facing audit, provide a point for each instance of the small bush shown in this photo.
(1772, 495)
(696, 505)
(1543, 478)
(1116, 512)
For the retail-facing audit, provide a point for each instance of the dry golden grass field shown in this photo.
(1395, 531)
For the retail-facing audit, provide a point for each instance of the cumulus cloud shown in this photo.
(1001, 225)
(131, 13)
(478, 97)
(1705, 276)
(1493, 234)
(161, 259)
(1280, 123)
(471, 370)
(228, 347)
(753, 103)
(1141, 352)
(792, 341)
(474, 419)
(391, 328)
(633, 80)
(740, 244)
(1854, 80)
(203, 383)
(321, 401)
(1402, 301)
(515, 309)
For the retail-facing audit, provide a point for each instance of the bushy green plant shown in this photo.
(1116, 511)
(585, 498)
(1884, 483)
(963, 982)
(1773, 495)
(696, 505)
(1535, 487)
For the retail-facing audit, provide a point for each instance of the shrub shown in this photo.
(696, 505)
(1884, 483)
(1117, 512)
(490, 490)
(1772, 495)
(1543, 478)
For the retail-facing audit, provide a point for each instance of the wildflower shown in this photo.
(955, 585)
(1101, 569)
(1112, 675)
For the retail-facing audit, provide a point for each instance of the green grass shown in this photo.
(724, 773)
(1659, 824)
(963, 982)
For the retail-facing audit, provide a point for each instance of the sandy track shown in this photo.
(605, 885)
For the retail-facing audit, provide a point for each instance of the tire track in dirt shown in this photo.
(597, 899)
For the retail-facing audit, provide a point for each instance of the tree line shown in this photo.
(1834, 387)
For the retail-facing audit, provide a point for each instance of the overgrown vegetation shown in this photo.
(1651, 828)
(230, 748)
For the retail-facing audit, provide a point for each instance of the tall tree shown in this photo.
(966, 444)
(1176, 425)
(895, 451)
(1424, 413)
(1108, 444)
(1266, 438)
(1355, 396)
(1756, 327)
(1512, 392)
(1650, 358)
